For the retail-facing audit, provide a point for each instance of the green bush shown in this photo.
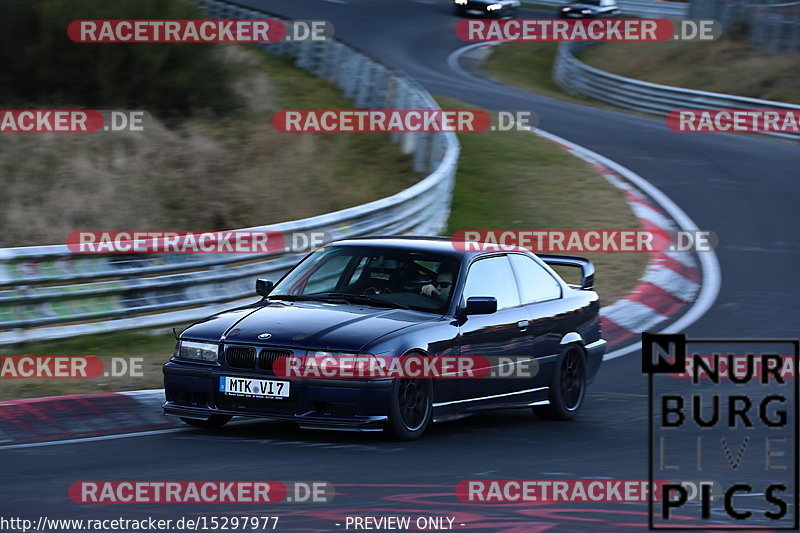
(42, 67)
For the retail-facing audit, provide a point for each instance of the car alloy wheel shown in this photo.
(412, 407)
(573, 379)
(567, 386)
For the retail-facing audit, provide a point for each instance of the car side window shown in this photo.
(492, 277)
(536, 283)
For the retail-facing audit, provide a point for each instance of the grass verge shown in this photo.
(518, 181)
(205, 174)
(529, 66)
(728, 65)
(154, 349)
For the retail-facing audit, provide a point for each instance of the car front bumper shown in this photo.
(358, 405)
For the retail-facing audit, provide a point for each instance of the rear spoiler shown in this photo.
(586, 266)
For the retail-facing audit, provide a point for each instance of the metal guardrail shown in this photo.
(48, 292)
(639, 8)
(575, 76)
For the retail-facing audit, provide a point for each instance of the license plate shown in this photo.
(254, 388)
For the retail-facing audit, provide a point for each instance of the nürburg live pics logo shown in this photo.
(724, 412)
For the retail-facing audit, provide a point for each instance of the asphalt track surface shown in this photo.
(744, 189)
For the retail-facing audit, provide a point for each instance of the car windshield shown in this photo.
(372, 276)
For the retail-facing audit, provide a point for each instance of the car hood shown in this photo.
(307, 325)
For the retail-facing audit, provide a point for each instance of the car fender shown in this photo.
(437, 338)
(572, 337)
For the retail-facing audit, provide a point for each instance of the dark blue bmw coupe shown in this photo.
(395, 299)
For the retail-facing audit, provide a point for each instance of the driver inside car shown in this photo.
(440, 288)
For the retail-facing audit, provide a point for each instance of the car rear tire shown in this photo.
(567, 386)
(412, 408)
(212, 422)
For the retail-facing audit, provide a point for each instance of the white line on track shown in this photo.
(92, 439)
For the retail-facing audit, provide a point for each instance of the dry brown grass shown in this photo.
(728, 65)
(208, 174)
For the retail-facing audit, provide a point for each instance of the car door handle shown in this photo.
(523, 325)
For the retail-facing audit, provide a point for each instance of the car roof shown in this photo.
(439, 245)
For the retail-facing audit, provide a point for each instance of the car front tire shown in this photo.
(567, 385)
(212, 422)
(411, 409)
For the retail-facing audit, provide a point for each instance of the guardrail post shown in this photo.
(353, 68)
(365, 79)
(422, 153)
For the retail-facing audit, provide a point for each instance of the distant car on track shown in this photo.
(589, 9)
(395, 297)
(486, 8)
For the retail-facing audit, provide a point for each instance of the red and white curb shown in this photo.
(672, 281)
(33, 421)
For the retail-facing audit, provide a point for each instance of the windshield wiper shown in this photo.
(299, 297)
(331, 296)
(368, 299)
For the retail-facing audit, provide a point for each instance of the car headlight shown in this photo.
(494, 7)
(200, 351)
(461, 2)
(565, 9)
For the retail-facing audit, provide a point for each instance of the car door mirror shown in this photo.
(481, 305)
(263, 287)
